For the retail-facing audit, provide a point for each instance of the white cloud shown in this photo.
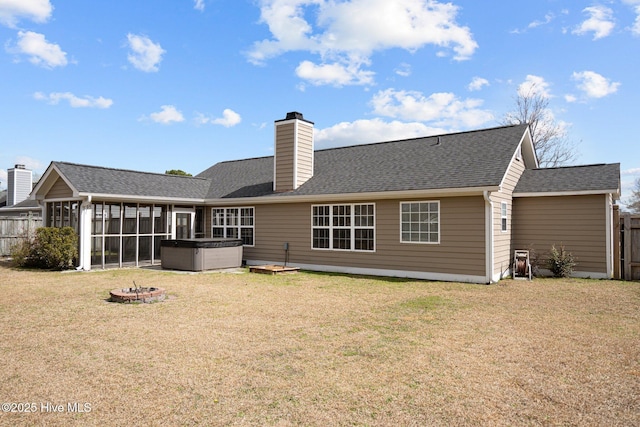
(632, 171)
(548, 18)
(198, 5)
(534, 85)
(442, 109)
(145, 55)
(39, 50)
(403, 70)
(74, 101)
(570, 98)
(334, 74)
(368, 131)
(635, 28)
(168, 115)
(12, 10)
(229, 119)
(477, 83)
(349, 32)
(594, 85)
(600, 22)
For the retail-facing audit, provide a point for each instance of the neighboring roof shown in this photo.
(99, 180)
(3, 198)
(600, 178)
(23, 206)
(461, 160)
(26, 204)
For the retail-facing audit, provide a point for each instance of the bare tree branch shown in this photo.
(548, 136)
(634, 201)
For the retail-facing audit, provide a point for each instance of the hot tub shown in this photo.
(201, 254)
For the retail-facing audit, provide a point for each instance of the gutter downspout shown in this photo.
(488, 236)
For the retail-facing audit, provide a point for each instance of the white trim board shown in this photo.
(422, 275)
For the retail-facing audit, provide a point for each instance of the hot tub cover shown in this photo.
(201, 243)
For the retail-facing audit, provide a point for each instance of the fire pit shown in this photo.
(137, 294)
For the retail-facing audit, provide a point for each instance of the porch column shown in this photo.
(488, 231)
(609, 233)
(84, 255)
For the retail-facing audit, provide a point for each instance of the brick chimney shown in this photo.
(293, 152)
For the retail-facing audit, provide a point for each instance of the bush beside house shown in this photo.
(51, 248)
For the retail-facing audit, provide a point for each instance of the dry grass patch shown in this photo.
(319, 349)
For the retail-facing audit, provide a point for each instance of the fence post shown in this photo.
(627, 247)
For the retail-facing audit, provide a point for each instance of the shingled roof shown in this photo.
(460, 160)
(99, 180)
(589, 178)
(466, 160)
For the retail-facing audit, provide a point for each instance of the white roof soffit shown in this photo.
(614, 192)
(352, 197)
(130, 198)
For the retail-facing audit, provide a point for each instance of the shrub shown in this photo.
(52, 248)
(560, 262)
(21, 250)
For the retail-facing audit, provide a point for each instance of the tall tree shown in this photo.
(634, 201)
(549, 137)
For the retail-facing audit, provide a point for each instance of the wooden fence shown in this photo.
(12, 229)
(630, 246)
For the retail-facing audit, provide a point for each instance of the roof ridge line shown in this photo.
(576, 166)
(438, 135)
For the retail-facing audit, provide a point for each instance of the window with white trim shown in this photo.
(503, 216)
(233, 223)
(343, 227)
(420, 222)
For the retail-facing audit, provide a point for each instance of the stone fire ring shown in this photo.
(145, 295)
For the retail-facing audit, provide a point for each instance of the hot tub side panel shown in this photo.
(201, 254)
(177, 258)
(216, 258)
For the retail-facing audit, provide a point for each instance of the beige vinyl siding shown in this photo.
(461, 250)
(304, 153)
(284, 156)
(59, 190)
(577, 222)
(503, 248)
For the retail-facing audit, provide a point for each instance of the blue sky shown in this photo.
(154, 85)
